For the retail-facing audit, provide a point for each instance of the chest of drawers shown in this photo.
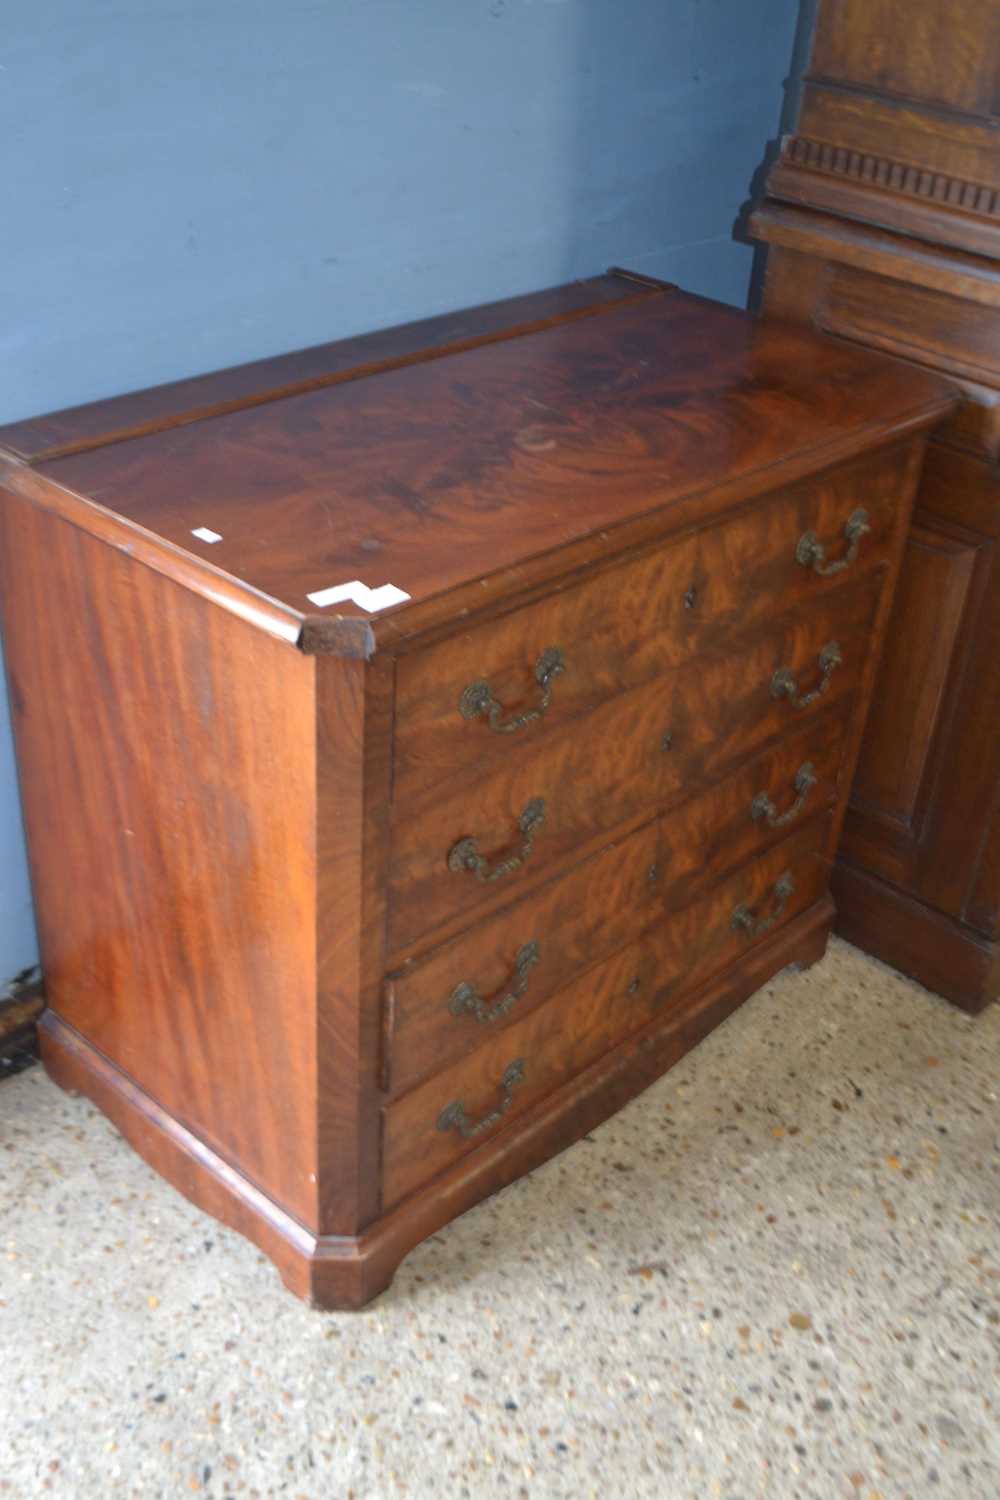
(426, 739)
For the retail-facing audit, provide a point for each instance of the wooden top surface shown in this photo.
(443, 455)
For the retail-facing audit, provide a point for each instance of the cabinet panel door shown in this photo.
(913, 676)
(926, 792)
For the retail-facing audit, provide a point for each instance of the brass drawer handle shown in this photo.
(453, 1116)
(743, 919)
(466, 856)
(811, 553)
(466, 999)
(783, 684)
(477, 699)
(763, 807)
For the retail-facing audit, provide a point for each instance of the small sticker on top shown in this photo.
(359, 593)
(205, 534)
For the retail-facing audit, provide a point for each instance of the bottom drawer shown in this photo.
(468, 1103)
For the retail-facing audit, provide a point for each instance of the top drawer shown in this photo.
(471, 699)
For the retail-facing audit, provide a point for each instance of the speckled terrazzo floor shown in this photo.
(776, 1273)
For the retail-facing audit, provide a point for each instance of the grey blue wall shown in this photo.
(189, 185)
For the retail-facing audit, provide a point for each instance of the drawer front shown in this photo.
(553, 660)
(468, 1104)
(475, 986)
(472, 841)
(739, 817)
(472, 987)
(691, 944)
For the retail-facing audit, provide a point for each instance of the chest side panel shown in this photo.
(166, 755)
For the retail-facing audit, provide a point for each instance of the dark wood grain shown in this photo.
(917, 323)
(353, 761)
(121, 418)
(341, 1272)
(600, 905)
(982, 905)
(554, 1042)
(603, 902)
(249, 928)
(171, 562)
(715, 830)
(947, 53)
(910, 130)
(944, 954)
(883, 214)
(459, 468)
(930, 205)
(643, 749)
(695, 936)
(632, 623)
(960, 499)
(913, 677)
(351, 1274)
(808, 246)
(591, 1014)
(168, 769)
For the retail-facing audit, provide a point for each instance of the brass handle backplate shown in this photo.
(743, 919)
(466, 856)
(453, 1116)
(784, 685)
(762, 808)
(811, 553)
(466, 999)
(477, 699)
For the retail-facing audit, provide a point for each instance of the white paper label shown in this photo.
(359, 593)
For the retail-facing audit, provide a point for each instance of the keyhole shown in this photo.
(634, 986)
(690, 597)
(667, 742)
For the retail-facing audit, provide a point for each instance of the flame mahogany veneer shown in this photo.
(349, 918)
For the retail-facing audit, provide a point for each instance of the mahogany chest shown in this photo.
(425, 739)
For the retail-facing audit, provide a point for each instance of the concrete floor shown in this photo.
(777, 1273)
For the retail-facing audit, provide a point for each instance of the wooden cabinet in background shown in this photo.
(882, 218)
